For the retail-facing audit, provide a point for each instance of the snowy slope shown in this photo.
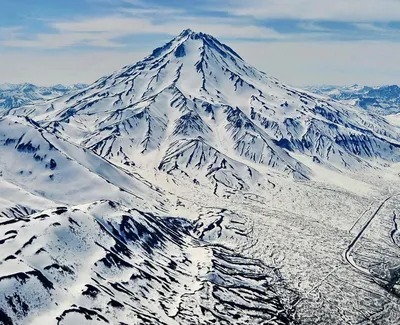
(195, 87)
(43, 166)
(191, 188)
(65, 260)
(103, 263)
(16, 95)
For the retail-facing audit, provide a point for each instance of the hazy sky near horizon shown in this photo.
(301, 42)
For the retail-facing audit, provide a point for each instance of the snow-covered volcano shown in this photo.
(107, 215)
(194, 106)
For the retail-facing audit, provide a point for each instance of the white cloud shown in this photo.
(372, 27)
(118, 24)
(105, 31)
(10, 32)
(151, 11)
(56, 41)
(109, 30)
(337, 10)
(312, 26)
(221, 27)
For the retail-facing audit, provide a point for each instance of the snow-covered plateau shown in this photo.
(192, 188)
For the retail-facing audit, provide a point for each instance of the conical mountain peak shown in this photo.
(190, 34)
(195, 86)
(180, 43)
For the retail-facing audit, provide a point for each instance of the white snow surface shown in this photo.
(191, 188)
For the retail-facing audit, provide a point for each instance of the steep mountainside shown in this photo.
(65, 260)
(194, 104)
(191, 188)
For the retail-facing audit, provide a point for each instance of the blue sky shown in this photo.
(299, 41)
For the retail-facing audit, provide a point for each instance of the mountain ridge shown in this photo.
(214, 94)
(191, 187)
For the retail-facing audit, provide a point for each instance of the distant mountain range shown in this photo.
(382, 100)
(16, 95)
